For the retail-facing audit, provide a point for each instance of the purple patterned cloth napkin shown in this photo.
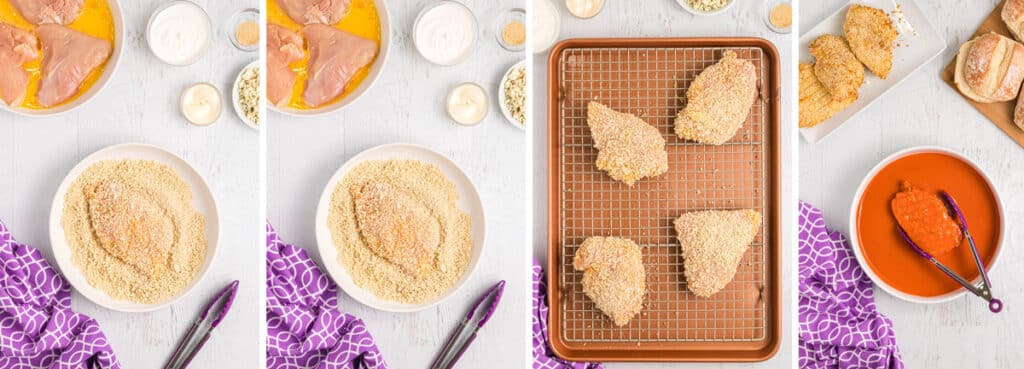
(38, 329)
(839, 324)
(543, 357)
(305, 329)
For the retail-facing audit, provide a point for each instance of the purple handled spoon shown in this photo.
(497, 290)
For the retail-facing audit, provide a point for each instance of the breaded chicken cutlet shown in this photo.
(836, 67)
(872, 38)
(613, 276)
(628, 148)
(713, 243)
(396, 227)
(718, 101)
(816, 105)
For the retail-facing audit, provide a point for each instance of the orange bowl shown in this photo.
(882, 252)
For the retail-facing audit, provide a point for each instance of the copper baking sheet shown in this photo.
(1000, 113)
(649, 78)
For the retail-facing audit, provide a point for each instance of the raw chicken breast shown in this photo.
(334, 58)
(17, 46)
(315, 11)
(68, 57)
(283, 47)
(49, 11)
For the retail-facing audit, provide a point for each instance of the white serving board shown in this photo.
(913, 50)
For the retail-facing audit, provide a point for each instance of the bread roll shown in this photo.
(1018, 113)
(1013, 16)
(990, 68)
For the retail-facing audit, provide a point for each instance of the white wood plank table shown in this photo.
(407, 105)
(140, 105)
(665, 18)
(924, 110)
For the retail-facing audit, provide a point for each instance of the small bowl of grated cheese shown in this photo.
(705, 7)
(512, 95)
(245, 95)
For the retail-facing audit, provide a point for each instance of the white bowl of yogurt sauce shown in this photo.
(445, 33)
(179, 33)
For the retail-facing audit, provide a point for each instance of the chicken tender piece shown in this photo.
(718, 101)
(713, 243)
(628, 148)
(872, 38)
(836, 67)
(816, 105)
(130, 226)
(613, 276)
(396, 227)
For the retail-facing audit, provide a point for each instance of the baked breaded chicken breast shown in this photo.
(816, 105)
(713, 243)
(718, 101)
(613, 276)
(872, 38)
(836, 67)
(628, 148)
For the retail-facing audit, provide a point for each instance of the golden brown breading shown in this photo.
(872, 38)
(718, 101)
(713, 243)
(628, 148)
(816, 105)
(396, 227)
(613, 276)
(836, 67)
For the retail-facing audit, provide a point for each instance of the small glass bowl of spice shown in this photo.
(779, 16)
(512, 30)
(244, 29)
(512, 95)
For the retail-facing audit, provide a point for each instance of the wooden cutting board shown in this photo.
(1001, 114)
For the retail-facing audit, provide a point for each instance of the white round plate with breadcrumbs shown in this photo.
(202, 201)
(469, 202)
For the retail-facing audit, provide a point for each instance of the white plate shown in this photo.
(202, 201)
(501, 96)
(96, 88)
(686, 5)
(913, 51)
(855, 239)
(234, 94)
(469, 202)
(375, 71)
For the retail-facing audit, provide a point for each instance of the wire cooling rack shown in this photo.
(651, 83)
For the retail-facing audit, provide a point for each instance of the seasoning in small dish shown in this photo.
(780, 17)
(513, 95)
(705, 7)
(244, 30)
(512, 30)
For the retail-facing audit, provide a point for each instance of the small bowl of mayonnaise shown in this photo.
(179, 33)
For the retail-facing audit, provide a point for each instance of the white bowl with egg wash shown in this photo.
(202, 200)
(108, 72)
(179, 33)
(469, 202)
(445, 33)
(375, 71)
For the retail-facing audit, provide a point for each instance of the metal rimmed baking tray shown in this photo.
(649, 78)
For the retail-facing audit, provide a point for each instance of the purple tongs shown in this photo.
(180, 360)
(984, 291)
(439, 362)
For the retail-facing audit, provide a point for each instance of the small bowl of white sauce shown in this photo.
(445, 33)
(547, 25)
(179, 33)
